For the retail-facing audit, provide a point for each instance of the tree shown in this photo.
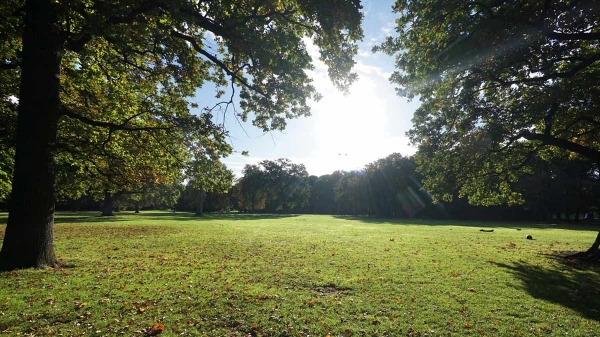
(286, 185)
(273, 185)
(153, 195)
(350, 195)
(393, 188)
(251, 189)
(255, 47)
(322, 197)
(500, 82)
(208, 175)
(108, 165)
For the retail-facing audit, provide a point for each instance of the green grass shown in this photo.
(261, 275)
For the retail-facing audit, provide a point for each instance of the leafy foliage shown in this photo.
(501, 83)
(274, 185)
(89, 70)
(251, 189)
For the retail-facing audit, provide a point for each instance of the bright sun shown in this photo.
(351, 130)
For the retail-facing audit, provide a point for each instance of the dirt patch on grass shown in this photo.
(331, 290)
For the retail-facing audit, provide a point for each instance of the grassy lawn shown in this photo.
(261, 275)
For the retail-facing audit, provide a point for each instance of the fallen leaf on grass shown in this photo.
(156, 329)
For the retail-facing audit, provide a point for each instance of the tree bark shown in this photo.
(137, 207)
(29, 237)
(107, 206)
(200, 206)
(591, 252)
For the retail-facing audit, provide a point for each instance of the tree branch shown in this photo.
(9, 65)
(577, 68)
(109, 125)
(585, 151)
(572, 36)
(218, 62)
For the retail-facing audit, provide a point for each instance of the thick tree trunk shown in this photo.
(592, 252)
(107, 205)
(29, 237)
(137, 207)
(200, 206)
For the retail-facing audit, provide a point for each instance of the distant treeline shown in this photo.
(387, 188)
(391, 187)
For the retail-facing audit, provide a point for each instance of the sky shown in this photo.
(344, 132)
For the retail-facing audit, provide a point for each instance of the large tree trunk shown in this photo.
(200, 206)
(137, 207)
(592, 252)
(29, 237)
(107, 205)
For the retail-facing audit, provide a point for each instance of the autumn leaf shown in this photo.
(156, 329)
(467, 325)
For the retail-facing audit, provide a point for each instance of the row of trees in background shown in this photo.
(392, 187)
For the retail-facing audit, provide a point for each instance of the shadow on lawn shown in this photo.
(472, 223)
(91, 217)
(215, 216)
(575, 285)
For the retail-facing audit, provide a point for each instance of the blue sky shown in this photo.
(344, 132)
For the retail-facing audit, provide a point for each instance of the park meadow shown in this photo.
(160, 273)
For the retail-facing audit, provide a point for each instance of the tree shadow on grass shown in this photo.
(251, 216)
(92, 217)
(573, 285)
(214, 216)
(88, 219)
(472, 223)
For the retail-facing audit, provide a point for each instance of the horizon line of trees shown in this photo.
(391, 187)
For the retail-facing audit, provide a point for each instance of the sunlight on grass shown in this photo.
(268, 275)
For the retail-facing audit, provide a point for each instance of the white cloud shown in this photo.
(388, 28)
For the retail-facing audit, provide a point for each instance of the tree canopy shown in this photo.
(501, 83)
(122, 66)
(273, 186)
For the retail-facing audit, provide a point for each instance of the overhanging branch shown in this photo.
(585, 151)
(572, 36)
(567, 74)
(218, 62)
(112, 126)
